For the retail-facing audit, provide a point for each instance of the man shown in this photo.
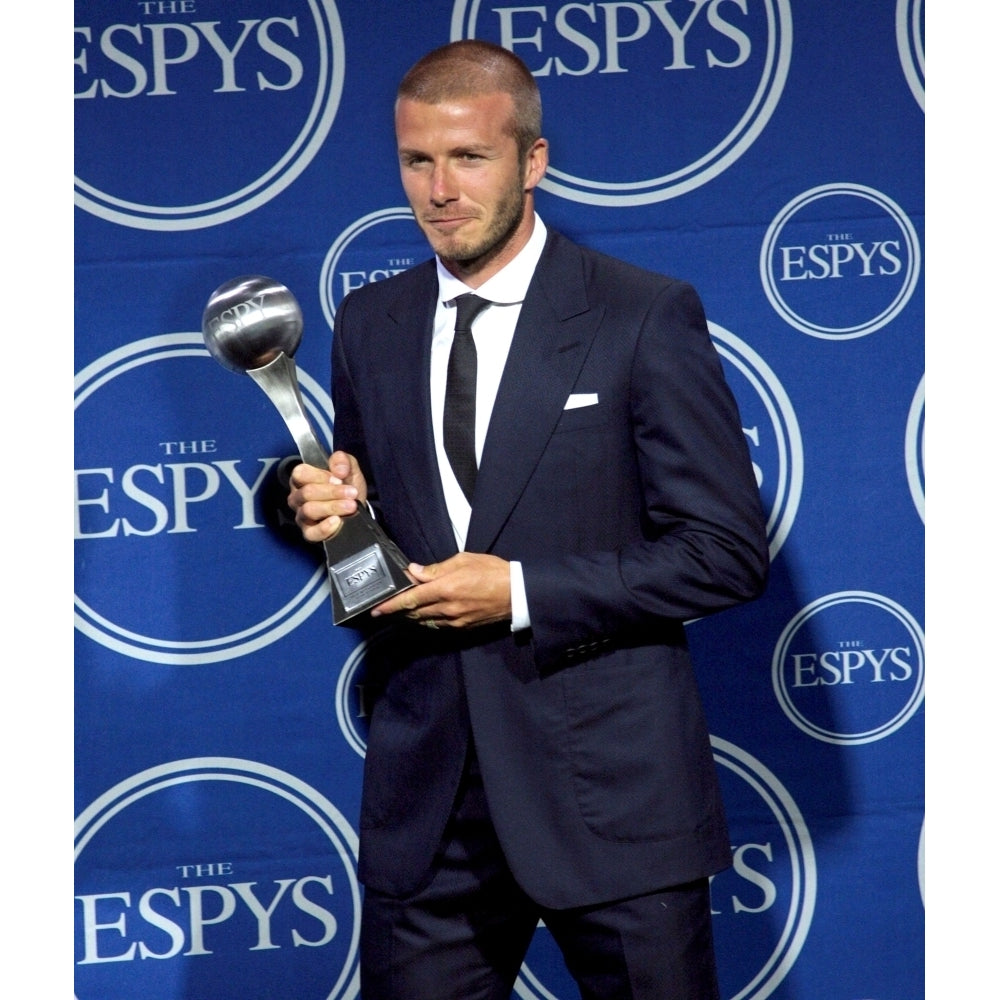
(537, 748)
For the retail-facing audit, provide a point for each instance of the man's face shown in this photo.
(465, 181)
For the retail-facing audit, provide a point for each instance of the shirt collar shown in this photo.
(509, 285)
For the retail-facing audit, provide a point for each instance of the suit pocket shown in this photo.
(638, 745)
(582, 417)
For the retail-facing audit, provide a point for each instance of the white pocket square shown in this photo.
(578, 399)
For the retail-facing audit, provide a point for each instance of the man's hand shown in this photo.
(468, 589)
(321, 498)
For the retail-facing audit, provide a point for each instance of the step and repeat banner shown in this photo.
(768, 151)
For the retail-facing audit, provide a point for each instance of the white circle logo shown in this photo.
(915, 449)
(240, 873)
(910, 43)
(351, 262)
(256, 96)
(146, 576)
(877, 256)
(720, 69)
(849, 668)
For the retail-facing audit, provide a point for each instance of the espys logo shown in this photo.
(228, 875)
(849, 668)
(915, 449)
(254, 95)
(719, 67)
(910, 43)
(834, 268)
(392, 242)
(762, 907)
(180, 511)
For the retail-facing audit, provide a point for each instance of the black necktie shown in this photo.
(460, 395)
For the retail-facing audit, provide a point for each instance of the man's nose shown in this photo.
(443, 187)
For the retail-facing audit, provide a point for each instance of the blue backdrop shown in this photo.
(770, 152)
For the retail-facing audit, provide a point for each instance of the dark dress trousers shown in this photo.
(629, 515)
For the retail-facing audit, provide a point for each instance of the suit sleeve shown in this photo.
(348, 433)
(693, 534)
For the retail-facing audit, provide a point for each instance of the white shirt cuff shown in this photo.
(519, 618)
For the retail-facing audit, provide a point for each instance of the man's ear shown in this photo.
(536, 163)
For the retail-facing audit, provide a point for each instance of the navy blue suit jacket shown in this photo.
(629, 516)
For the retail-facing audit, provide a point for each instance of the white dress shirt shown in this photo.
(493, 331)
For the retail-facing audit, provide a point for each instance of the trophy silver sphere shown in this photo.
(249, 321)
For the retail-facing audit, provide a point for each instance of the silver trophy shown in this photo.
(253, 324)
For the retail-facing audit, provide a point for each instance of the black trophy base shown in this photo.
(365, 566)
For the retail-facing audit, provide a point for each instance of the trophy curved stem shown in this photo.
(279, 381)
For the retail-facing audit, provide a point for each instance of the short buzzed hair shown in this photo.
(472, 67)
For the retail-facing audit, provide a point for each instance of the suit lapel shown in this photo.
(407, 407)
(551, 341)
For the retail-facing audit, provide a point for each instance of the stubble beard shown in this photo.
(469, 255)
